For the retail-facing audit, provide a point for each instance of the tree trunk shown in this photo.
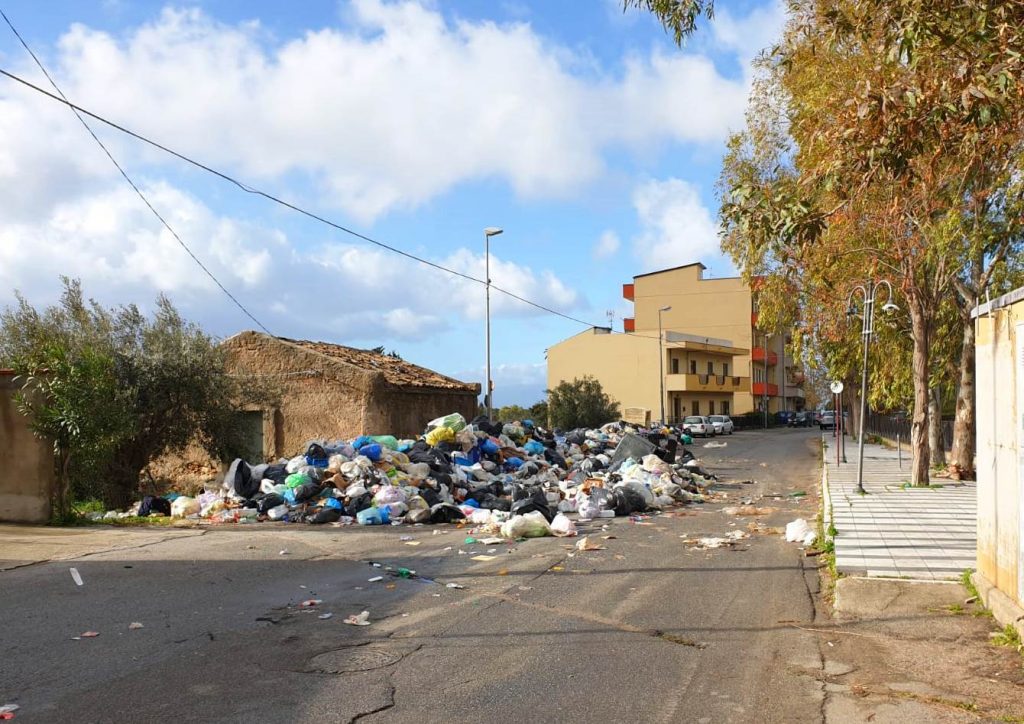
(962, 456)
(935, 442)
(919, 425)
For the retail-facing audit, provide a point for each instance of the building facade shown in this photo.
(999, 367)
(691, 347)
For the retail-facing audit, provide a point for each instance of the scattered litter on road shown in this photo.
(375, 579)
(134, 625)
(324, 616)
(310, 603)
(75, 576)
(483, 558)
(737, 535)
(712, 542)
(412, 542)
(282, 553)
(7, 711)
(746, 510)
(360, 619)
(715, 444)
(87, 635)
(584, 544)
(454, 585)
(799, 531)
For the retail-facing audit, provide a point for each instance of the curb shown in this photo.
(826, 494)
(1004, 609)
(876, 598)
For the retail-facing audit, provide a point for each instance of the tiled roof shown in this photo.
(396, 371)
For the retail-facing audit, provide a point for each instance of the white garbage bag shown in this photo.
(799, 531)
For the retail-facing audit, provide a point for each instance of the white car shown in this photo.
(723, 424)
(698, 426)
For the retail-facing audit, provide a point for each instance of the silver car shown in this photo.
(723, 424)
(698, 426)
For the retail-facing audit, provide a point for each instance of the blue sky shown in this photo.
(582, 131)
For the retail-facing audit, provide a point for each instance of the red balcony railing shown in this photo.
(627, 291)
(758, 355)
(758, 389)
(628, 324)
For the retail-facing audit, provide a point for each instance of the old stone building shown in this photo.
(331, 391)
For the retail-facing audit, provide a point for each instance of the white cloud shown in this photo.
(120, 251)
(748, 35)
(606, 245)
(385, 114)
(676, 227)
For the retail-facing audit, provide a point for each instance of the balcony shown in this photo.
(758, 354)
(758, 389)
(628, 324)
(627, 291)
(706, 383)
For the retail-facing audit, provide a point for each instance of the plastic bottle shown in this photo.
(277, 513)
(373, 516)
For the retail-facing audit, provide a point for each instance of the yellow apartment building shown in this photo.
(713, 358)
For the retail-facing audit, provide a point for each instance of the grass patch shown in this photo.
(133, 521)
(1008, 636)
(956, 609)
(965, 579)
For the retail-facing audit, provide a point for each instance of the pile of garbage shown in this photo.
(514, 480)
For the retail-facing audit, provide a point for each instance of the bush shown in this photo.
(115, 390)
(580, 403)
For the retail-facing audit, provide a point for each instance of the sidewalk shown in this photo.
(921, 533)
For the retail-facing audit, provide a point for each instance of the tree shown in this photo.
(512, 413)
(539, 413)
(580, 403)
(115, 390)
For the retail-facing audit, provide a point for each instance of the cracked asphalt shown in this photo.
(651, 628)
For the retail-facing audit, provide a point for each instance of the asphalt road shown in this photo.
(651, 628)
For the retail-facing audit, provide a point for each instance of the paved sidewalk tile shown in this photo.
(895, 531)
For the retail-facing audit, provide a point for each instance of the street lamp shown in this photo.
(868, 291)
(488, 233)
(661, 364)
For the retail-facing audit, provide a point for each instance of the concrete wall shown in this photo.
(1000, 390)
(27, 475)
(407, 412)
(625, 365)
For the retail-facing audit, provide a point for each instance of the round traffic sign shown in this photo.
(836, 387)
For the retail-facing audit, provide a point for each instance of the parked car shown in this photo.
(801, 419)
(698, 426)
(723, 424)
(827, 421)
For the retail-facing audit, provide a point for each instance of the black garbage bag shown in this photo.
(685, 456)
(307, 491)
(268, 501)
(430, 496)
(536, 501)
(239, 478)
(325, 515)
(154, 504)
(555, 458)
(576, 437)
(491, 427)
(445, 513)
(361, 502)
(276, 472)
(494, 502)
(443, 479)
(626, 501)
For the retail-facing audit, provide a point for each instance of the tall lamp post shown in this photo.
(488, 233)
(767, 341)
(868, 292)
(661, 363)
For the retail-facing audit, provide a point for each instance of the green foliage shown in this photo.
(679, 17)
(512, 413)
(113, 390)
(581, 403)
(539, 413)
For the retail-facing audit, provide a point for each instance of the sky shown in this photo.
(580, 130)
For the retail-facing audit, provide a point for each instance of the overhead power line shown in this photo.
(127, 178)
(80, 111)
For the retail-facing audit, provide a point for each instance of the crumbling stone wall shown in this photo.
(28, 479)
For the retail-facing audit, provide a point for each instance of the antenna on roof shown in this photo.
(611, 317)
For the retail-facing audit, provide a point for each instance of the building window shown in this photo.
(725, 407)
(693, 367)
(696, 407)
(711, 407)
(725, 369)
(677, 407)
(711, 368)
(675, 366)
